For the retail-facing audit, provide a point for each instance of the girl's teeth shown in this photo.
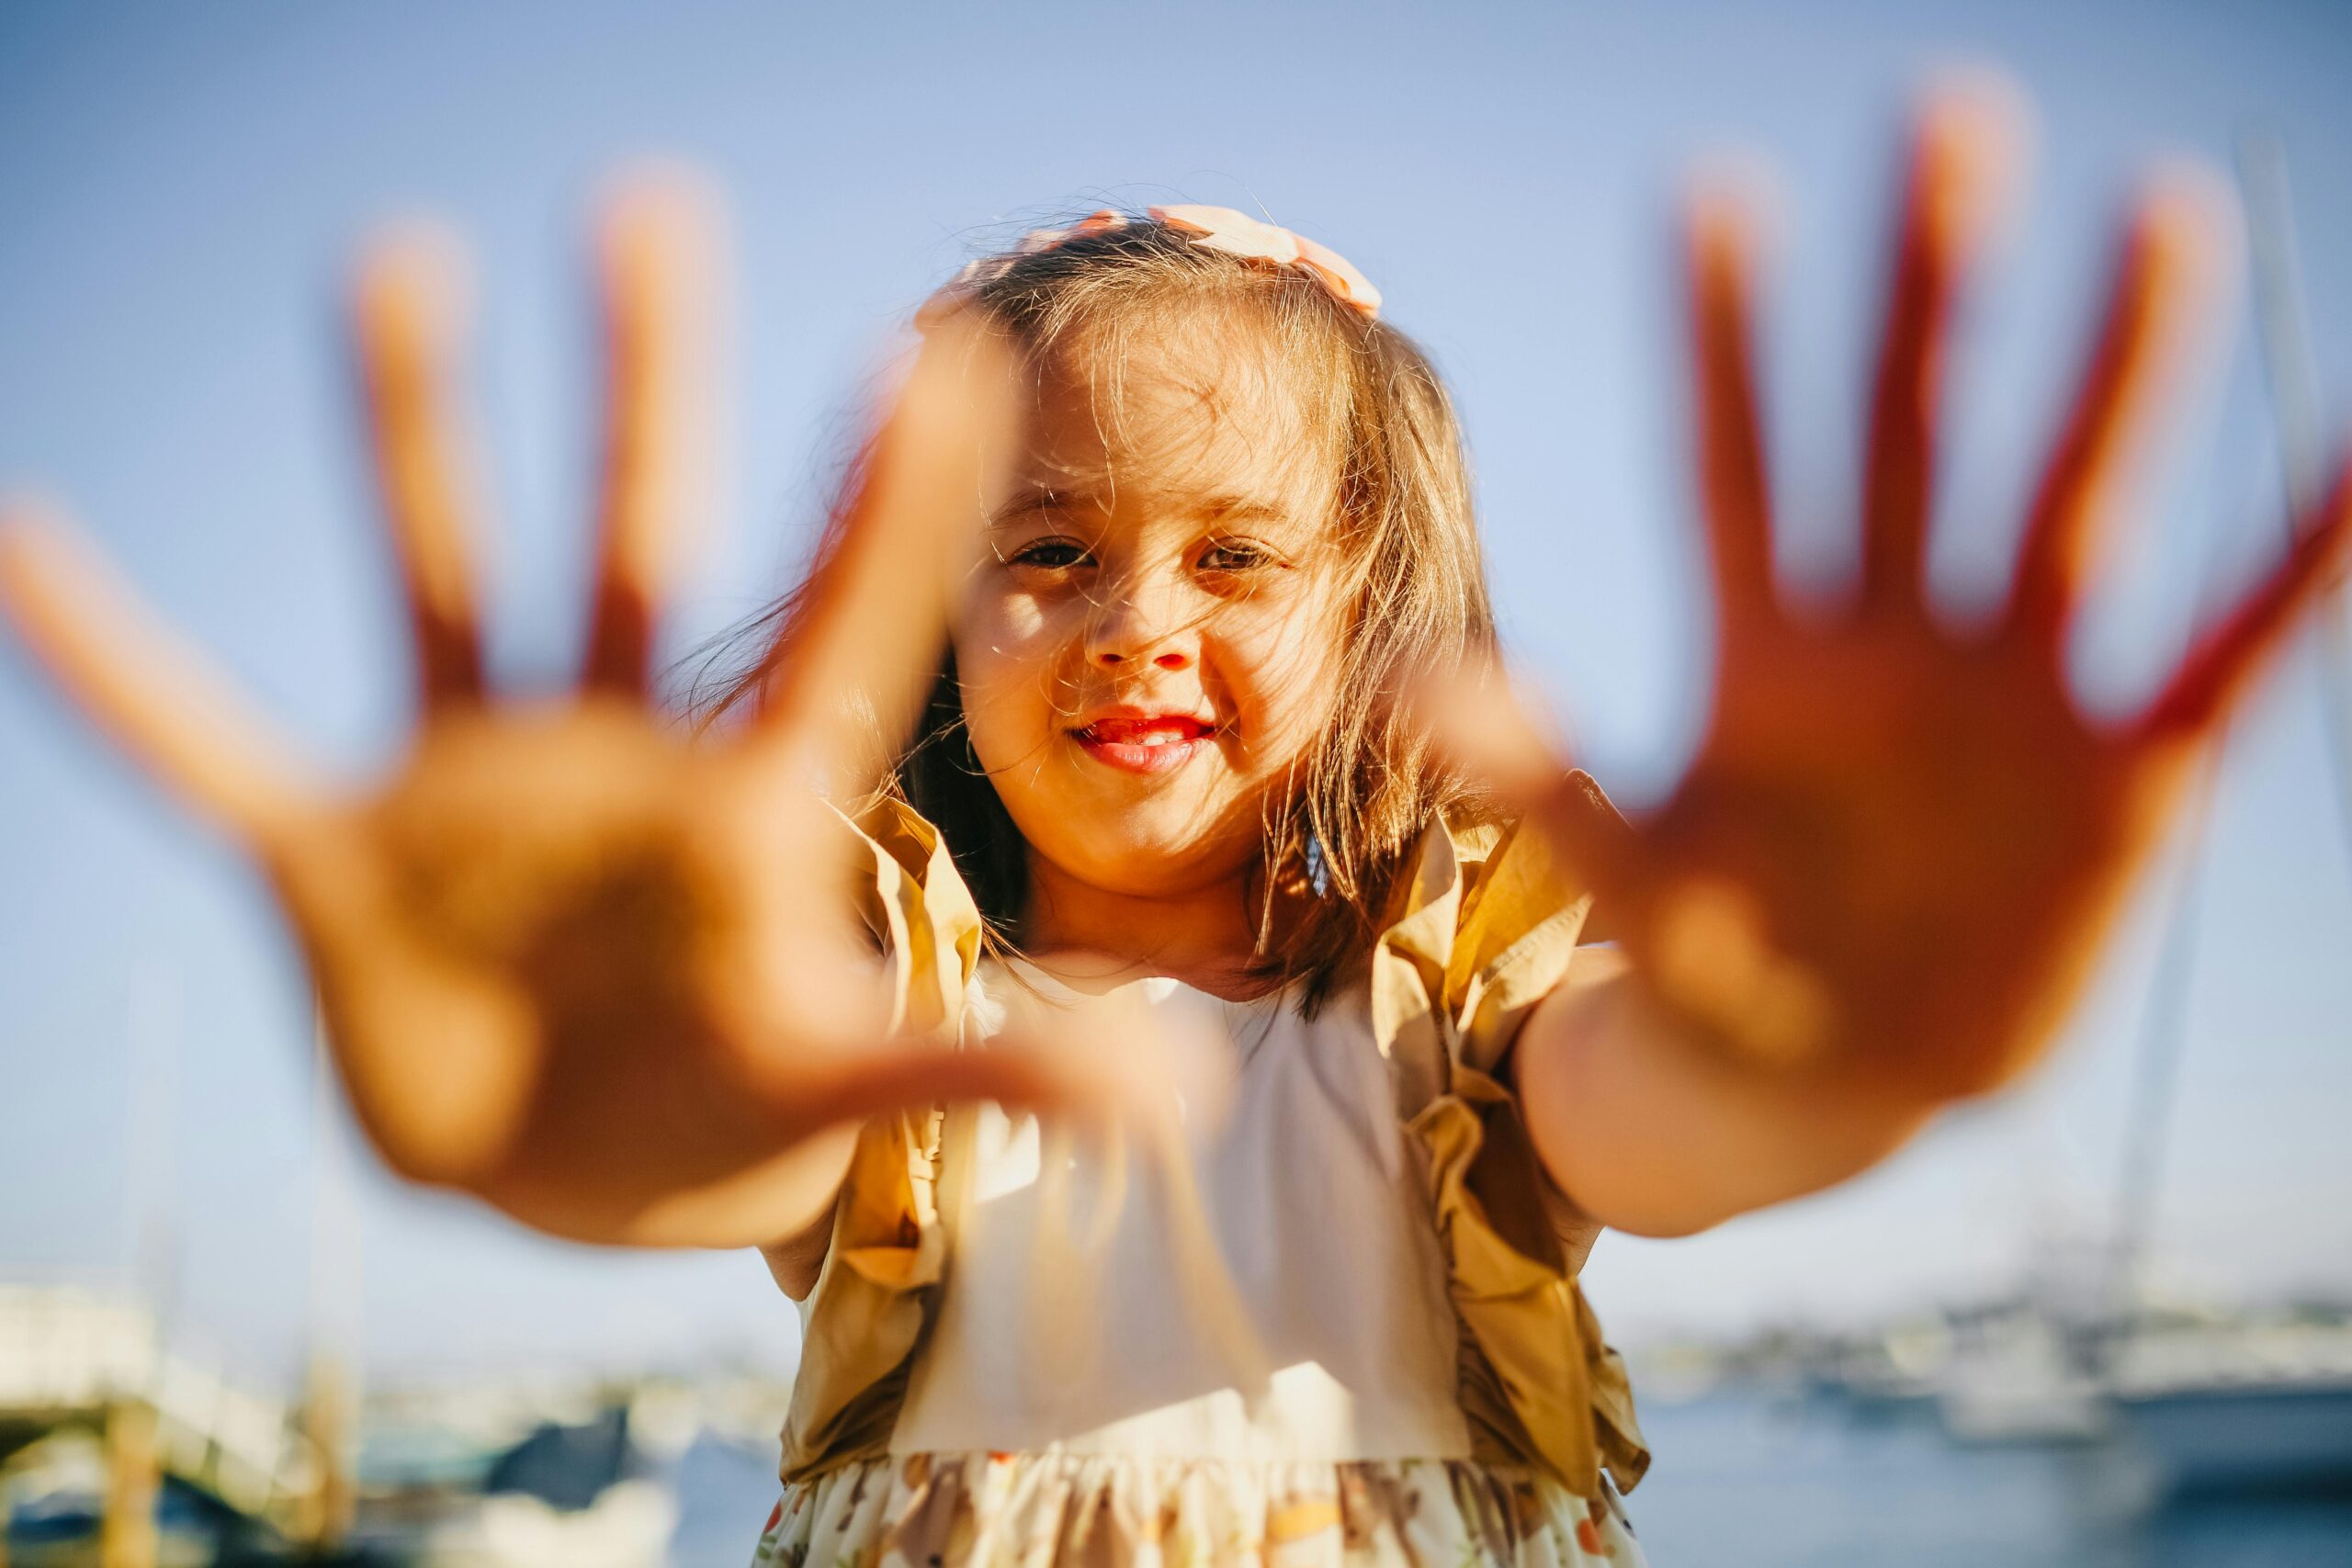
(1172, 735)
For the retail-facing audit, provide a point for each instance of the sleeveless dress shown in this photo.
(1260, 1349)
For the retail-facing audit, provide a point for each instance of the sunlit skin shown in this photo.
(1164, 570)
(597, 975)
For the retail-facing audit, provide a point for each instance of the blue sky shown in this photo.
(180, 187)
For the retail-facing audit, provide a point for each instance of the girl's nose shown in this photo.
(1139, 628)
(1112, 656)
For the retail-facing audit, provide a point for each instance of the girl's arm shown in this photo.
(797, 1260)
(1652, 1130)
(1885, 879)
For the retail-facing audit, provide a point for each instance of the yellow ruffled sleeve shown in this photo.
(1484, 927)
(865, 1317)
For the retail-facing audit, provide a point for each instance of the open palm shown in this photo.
(603, 975)
(1901, 843)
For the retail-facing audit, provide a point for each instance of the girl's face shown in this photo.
(1150, 642)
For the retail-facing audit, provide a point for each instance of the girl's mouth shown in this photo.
(1153, 743)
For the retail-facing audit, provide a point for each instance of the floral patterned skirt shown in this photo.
(1046, 1511)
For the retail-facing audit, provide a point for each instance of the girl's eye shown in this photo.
(1236, 555)
(1053, 555)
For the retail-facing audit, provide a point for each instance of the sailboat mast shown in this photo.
(330, 1391)
(2292, 386)
(2292, 379)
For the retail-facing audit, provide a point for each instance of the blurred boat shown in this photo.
(117, 1446)
(2252, 1409)
(2225, 1437)
(597, 1490)
(2023, 1393)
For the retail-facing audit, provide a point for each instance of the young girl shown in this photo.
(1196, 750)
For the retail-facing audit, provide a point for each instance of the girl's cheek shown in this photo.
(1008, 652)
(991, 630)
(1280, 669)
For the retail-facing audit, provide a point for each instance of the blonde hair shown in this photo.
(1370, 786)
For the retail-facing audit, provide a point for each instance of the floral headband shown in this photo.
(1218, 228)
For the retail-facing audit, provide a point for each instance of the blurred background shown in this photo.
(1927, 1361)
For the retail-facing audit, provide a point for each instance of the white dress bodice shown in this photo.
(1073, 1320)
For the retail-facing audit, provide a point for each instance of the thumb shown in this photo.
(1100, 1060)
(1483, 722)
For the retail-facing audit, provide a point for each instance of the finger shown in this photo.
(1735, 491)
(856, 661)
(2227, 658)
(2168, 273)
(407, 320)
(1483, 727)
(658, 281)
(153, 693)
(1963, 155)
(899, 1076)
(1101, 1061)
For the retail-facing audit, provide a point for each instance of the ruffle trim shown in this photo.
(1485, 928)
(870, 1303)
(982, 1511)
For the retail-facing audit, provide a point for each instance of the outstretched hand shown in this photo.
(1900, 845)
(606, 977)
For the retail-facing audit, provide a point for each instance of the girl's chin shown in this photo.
(1173, 877)
(1161, 856)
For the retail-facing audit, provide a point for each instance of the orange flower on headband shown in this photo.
(1218, 228)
